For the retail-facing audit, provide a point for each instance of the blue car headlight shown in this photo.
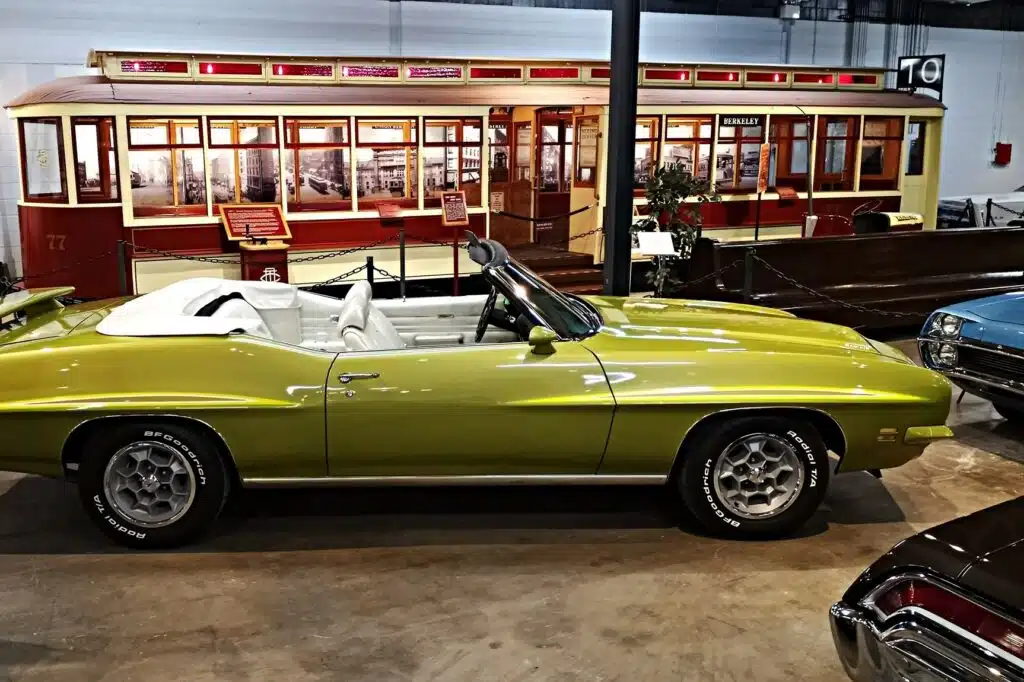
(942, 354)
(946, 325)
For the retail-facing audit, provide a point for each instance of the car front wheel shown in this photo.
(151, 485)
(755, 477)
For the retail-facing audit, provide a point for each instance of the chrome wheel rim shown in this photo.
(150, 484)
(758, 476)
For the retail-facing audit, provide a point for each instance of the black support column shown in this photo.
(618, 210)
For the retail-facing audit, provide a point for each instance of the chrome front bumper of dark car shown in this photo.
(912, 647)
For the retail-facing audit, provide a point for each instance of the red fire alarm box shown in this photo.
(1003, 153)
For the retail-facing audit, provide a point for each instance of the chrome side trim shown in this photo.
(484, 479)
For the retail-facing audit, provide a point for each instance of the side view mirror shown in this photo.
(542, 340)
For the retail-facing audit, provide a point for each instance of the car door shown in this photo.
(495, 409)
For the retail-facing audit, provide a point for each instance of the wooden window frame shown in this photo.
(785, 142)
(736, 142)
(852, 138)
(237, 146)
(881, 181)
(655, 141)
(460, 144)
(696, 141)
(104, 149)
(49, 198)
(178, 209)
(293, 147)
(409, 199)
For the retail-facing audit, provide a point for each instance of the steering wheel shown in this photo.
(485, 314)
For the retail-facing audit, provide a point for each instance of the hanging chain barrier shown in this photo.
(340, 279)
(426, 288)
(989, 222)
(752, 260)
(544, 219)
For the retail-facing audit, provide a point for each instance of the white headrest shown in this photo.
(360, 289)
(353, 313)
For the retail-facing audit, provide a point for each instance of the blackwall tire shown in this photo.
(152, 485)
(1009, 413)
(725, 509)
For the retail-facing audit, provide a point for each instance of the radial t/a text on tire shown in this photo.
(755, 476)
(150, 485)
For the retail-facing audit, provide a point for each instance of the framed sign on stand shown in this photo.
(259, 231)
(455, 215)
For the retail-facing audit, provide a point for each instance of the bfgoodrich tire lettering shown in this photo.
(796, 443)
(193, 469)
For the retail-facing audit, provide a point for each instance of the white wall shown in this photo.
(46, 39)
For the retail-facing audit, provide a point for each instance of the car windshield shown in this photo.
(568, 316)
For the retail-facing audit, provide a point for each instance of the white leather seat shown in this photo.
(249, 318)
(368, 327)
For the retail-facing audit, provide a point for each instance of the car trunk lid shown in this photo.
(37, 314)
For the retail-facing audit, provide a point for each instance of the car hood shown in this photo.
(707, 325)
(1002, 308)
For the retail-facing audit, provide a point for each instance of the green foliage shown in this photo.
(667, 190)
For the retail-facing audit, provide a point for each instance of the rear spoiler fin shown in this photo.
(33, 300)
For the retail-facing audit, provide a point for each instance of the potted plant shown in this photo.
(667, 190)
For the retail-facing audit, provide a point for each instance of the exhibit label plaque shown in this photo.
(453, 209)
(243, 222)
(589, 132)
(497, 202)
(762, 168)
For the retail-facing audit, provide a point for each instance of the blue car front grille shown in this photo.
(977, 358)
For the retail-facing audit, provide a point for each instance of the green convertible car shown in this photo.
(159, 405)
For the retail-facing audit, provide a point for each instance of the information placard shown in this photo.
(453, 209)
(589, 135)
(762, 168)
(497, 202)
(246, 221)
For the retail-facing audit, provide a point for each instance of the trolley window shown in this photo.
(688, 142)
(645, 155)
(244, 164)
(165, 158)
(739, 144)
(880, 152)
(386, 161)
(318, 164)
(497, 140)
(915, 157)
(451, 158)
(556, 142)
(789, 137)
(42, 156)
(95, 148)
(837, 142)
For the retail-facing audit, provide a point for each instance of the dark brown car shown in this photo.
(944, 605)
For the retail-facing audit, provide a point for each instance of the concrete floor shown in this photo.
(596, 584)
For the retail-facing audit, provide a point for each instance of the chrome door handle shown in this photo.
(347, 377)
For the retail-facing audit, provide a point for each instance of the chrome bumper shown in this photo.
(911, 648)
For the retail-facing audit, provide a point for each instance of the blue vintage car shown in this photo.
(979, 346)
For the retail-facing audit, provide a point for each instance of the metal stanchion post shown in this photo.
(748, 276)
(369, 270)
(401, 262)
(122, 264)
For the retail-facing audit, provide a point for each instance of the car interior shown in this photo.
(283, 312)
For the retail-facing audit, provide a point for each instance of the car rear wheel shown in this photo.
(755, 477)
(150, 485)
(1009, 413)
